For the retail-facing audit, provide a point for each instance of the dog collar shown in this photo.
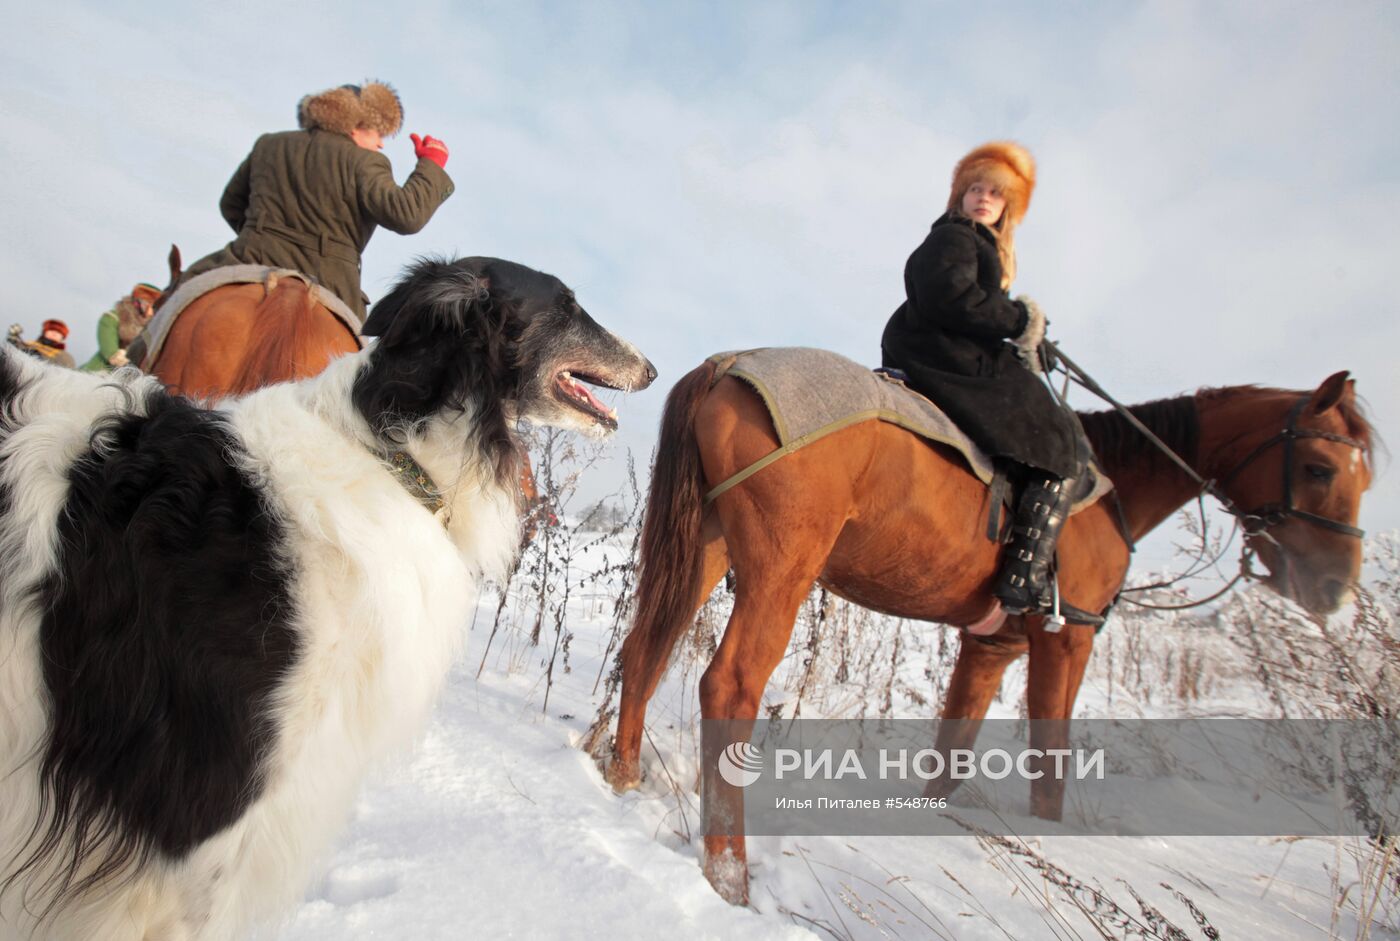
(413, 478)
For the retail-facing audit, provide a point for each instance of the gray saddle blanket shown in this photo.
(812, 393)
(159, 328)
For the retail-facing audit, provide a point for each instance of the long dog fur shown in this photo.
(212, 622)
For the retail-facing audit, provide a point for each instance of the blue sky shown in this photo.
(1219, 183)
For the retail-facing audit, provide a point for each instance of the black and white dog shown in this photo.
(212, 621)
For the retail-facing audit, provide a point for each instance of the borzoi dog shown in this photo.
(211, 622)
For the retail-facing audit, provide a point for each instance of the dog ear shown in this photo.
(442, 348)
(433, 293)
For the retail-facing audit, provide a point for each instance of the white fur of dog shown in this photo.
(381, 590)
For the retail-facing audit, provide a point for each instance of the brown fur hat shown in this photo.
(1007, 166)
(374, 105)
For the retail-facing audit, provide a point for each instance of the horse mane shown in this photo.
(1356, 414)
(1177, 422)
(1353, 410)
(1117, 443)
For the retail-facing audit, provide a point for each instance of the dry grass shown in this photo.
(1249, 655)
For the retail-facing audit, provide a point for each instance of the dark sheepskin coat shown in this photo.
(951, 336)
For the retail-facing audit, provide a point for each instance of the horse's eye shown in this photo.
(1319, 472)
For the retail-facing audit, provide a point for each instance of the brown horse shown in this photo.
(240, 337)
(895, 523)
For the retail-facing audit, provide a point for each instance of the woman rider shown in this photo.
(966, 345)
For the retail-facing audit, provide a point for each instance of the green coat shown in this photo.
(310, 200)
(108, 342)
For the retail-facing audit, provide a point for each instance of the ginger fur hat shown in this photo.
(145, 291)
(374, 105)
(1006, 165)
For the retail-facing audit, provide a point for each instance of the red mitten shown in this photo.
(430, 148)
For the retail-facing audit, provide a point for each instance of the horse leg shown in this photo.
(1056, 669)
(779, 541)
(624, 770)
(982, 661)
(753, 646)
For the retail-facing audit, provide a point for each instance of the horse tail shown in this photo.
(669, 571)
(292, 337)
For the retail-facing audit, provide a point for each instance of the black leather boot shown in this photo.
(1023, 584)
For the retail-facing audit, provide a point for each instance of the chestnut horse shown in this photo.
(240, 337)
(895, 523)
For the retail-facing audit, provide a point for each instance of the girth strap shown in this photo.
(997, 501)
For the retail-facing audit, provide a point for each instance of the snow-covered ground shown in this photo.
(498, 826)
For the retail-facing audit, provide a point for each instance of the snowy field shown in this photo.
(497, 825)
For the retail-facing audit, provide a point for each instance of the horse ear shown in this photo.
(176, 265)
(1334, 389)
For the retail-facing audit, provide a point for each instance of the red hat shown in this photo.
(56, 325)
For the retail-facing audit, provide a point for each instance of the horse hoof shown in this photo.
(729, 876)
(621, 777)
(940, 787)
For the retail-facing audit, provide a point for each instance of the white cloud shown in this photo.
(1217, 204)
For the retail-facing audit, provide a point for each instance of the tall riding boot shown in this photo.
(1023, 584)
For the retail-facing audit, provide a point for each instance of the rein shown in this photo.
(1256, 522)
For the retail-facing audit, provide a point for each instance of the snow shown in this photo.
(498, 826)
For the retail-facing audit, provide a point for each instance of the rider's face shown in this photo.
(368, 138)
(983, 203)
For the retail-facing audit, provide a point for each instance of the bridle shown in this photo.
(1256, 522)
(1263, 518)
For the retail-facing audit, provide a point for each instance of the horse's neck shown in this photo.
(1227, 424)
(1150, 492)
(1149, 485)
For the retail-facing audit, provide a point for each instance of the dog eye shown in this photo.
(1319, 472)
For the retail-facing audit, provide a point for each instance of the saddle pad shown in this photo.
(811, 393)
(159, 328)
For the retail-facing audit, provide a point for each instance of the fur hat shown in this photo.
(145, 291)
(373, 105)
(1006, 165)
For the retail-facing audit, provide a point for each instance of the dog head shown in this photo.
(496, 339)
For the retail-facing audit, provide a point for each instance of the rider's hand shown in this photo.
(428, 147)
(1028, 343)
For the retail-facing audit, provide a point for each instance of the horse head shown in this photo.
(1295, 469)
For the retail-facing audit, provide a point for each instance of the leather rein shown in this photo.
(1255, 522)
